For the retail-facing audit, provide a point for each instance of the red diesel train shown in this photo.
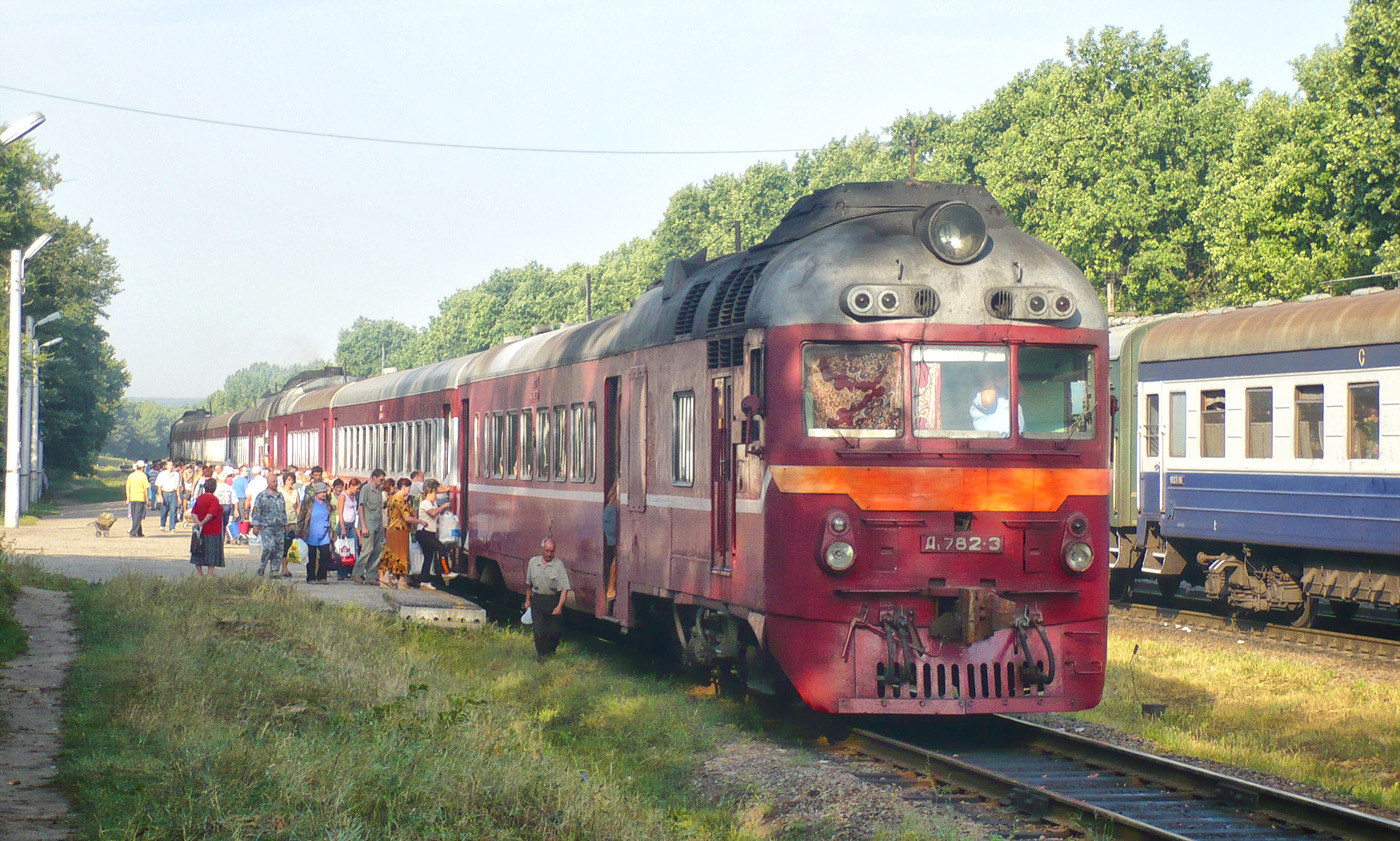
(868, 456)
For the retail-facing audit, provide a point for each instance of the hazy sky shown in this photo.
(260, 246)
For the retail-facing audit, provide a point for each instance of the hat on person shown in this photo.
(320, 488)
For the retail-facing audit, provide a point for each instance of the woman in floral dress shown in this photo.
(399, 522)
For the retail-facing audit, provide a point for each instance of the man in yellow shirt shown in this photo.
(138, 488)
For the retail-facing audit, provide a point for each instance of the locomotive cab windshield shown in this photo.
(857, 390)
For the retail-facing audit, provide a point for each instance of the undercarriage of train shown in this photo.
(1259, 582)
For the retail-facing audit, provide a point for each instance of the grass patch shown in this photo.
(13, 640)
(14, 575)
(225, 708)
(1307, 717)
(106, 484)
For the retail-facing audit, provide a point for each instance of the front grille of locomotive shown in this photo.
(956, 681)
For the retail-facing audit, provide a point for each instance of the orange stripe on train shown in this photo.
(945, 488)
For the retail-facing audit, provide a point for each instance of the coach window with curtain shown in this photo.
(1364, 420)
(1259, 408)
(1307, 421)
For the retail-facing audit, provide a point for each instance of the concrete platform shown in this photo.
(434, 607)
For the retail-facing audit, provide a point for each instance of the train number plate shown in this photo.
(961, 543)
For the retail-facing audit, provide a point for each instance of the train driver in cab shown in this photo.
(991, 410)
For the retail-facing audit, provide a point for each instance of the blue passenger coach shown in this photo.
(1267, 450)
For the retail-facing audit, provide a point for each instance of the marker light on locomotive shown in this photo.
(954, 231)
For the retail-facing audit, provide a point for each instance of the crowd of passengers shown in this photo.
(364, 531)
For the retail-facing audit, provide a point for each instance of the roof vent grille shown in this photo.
(685, 319)
(726, 353)
(731, 303)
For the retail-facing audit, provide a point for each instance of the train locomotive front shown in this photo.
(935, 499)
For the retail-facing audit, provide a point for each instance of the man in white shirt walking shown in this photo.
(168, 486)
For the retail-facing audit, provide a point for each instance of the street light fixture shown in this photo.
(21, 127)
(14, 474)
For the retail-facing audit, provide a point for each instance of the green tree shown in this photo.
(75, 274)
(142, 430)
(243, 387)
(369, 345)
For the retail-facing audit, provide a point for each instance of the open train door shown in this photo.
(721, 485)
(461, 443)
(612, 456)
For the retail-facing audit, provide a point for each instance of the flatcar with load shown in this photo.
(867, 456)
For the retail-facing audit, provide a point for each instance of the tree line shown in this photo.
(82, 379)
(1122, 155)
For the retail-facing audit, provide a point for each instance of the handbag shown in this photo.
(196, 544)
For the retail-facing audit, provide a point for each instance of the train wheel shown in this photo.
(1344, 611)
(1168, 586)
(1120, 584)
(1303, 617)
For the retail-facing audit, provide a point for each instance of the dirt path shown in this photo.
(31, 689)
(68, 543)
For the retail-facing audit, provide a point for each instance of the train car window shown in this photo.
(1259, 409)
(512, 444)
(527, 450)
(1307, 421)
(576, 439)
(1213, 424)
(853, 391)
(961, 391)
(416, 459)
(1177, 445)
(542, 444)
(683, 438)
(498, 442)
(492, 444)
(591, 446)
(1152, 426)
(1363, 420)
(476, 442)
(756, 384)
(561, 443)
(1055, 393)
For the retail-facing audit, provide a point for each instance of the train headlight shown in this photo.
(839, 524)
(1078, 556)
(860, 300)
(840, 556)
(955, 232)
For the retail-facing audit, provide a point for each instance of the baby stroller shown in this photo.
(102, 526)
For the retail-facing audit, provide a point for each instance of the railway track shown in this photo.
(1111, 792)
(1363, 646)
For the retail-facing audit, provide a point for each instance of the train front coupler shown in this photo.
(979, 613)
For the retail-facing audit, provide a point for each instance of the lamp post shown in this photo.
(13, 472)
(12, 133)
(34, 487)
(21, 127)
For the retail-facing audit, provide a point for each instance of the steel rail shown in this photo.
(1308, 637)
(1220, 806)
(1025, 798)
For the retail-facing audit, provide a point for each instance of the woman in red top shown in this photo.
(208, 515)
